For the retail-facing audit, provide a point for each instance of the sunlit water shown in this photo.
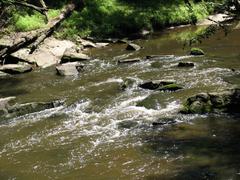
(86, 138)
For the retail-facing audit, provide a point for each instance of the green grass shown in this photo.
(118, 17)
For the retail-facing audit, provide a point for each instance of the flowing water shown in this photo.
(101, 133)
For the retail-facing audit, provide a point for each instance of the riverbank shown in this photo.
(112, 18)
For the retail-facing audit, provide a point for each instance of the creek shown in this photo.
(101, 133)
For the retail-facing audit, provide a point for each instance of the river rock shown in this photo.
(16, 68)
(5, 104)
(196, 52)
(69, 69)
(2, 74)
(86, 43)
(154, 85)
(101, 44)
(159, 57)
(133, 47)
(185, 64)
(163, 122)
(156, 64)
(74, 57)
(153, 101)
(127, 83)
(10, 110)
(170, 87)
(127, 124)
(214, 19)
(227, 102)
(48, 53)
(125, 61)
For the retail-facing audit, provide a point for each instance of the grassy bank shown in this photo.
(119, 17)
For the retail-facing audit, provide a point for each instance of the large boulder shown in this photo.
(69, 69)
(70, 56)
(226, 102)
(133, 47)
(47, 54)
(16, 68)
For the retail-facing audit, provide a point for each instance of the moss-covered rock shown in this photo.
(227, 101)
(170, 87)
(196, 52)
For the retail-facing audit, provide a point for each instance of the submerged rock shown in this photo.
(69, 69)
(159, 57)
(127, 124)
(156, 64)
(124, 61)
(128, 82)
(170, 87)
(164, 121)
(16, 68)
(196, 52)
(185, 64)
(153, 101)
(8, 110)
(227, 101)
(74, 57)
(133, 47)
(2, 74)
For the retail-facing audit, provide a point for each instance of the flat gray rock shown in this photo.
(16, 68)
(125, 61)
(74, 57)
(69, 69)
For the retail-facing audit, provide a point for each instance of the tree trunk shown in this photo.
(41, 35)
(53, 25)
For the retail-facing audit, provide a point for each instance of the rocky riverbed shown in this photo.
(115, 112)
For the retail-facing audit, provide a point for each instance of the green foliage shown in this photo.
(29, 22)
(119, 17)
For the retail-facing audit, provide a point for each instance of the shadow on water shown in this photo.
(9, 87)
(207, 149)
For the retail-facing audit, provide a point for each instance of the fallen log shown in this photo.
(27, 40)
(53, 25)
(38, 37)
